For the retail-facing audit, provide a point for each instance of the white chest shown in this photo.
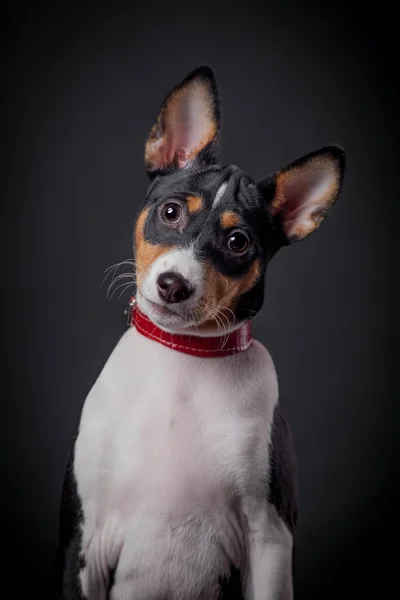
(170, 450)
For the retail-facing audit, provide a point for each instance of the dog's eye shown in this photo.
(238, 242)
(171, 212)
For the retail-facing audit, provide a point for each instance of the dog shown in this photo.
(182, 480)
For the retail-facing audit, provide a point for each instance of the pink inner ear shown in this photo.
(188, 125)
(183, 128)
(172, 147)
(192, 127)
(304, 194)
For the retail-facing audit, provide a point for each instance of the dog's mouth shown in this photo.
(161, 309)
(180, 319)
(162, 314)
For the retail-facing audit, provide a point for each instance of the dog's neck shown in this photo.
(237, 340)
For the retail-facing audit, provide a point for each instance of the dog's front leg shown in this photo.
(270, 570)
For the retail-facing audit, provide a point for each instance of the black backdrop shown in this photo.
(81, 85)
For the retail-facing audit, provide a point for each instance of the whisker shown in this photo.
(225, 323)
(114, 268)
(210, 312)
(215, 316)
(226, 334)
(118, 287)
(116, 279)
(128, 261)
(127, 286)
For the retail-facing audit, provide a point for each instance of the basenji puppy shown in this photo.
(182, 480)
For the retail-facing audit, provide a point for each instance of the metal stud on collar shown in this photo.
(128, 311)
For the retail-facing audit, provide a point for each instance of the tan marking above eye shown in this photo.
(229, 219)
(145, 252)
(223, 293)
(194, 203)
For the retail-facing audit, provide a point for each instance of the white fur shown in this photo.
(172, 464)
(220, 192)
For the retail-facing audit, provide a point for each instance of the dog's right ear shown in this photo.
(187, 127)
(299, 196)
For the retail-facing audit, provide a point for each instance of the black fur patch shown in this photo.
(283, 484)
(231, 587)
(70, 560)
(111, 581)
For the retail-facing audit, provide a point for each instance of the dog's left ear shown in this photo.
(187, 127)
(300, 195)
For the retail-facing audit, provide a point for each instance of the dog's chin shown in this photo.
(163, 316)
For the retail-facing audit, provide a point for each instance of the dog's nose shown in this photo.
(173, 288)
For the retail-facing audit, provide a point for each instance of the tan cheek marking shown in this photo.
(229, 219)
(145, 252)
(224, 292)
(194, 203)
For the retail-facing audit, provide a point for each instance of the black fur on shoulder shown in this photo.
(283, 484)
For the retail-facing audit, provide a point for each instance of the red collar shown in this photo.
(207, 347)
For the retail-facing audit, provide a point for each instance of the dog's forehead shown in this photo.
(222, 187)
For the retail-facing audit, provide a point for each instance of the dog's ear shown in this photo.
(188, 124)
(300, 195)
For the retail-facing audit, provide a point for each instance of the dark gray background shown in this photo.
(82, 84)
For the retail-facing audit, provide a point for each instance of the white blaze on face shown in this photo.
(220, 192)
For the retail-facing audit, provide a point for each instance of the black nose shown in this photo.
(173, 288)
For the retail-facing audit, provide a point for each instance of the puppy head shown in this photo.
(206, 231)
